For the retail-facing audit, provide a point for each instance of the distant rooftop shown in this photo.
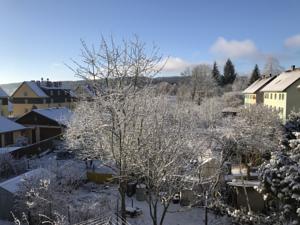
(8, 125)
(60, 115)
(36, 89)
(258, 85)
(3, 94)
(12, 185)
(283, 81)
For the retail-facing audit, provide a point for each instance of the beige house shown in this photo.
(252, 94)
(283, 93)
(40, 95)
(4, 109)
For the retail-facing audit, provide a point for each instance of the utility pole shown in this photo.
(206, 197)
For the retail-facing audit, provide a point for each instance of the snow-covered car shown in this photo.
(133, 211)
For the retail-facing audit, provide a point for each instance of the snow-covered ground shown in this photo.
(2, 222)
(176, 215)
(93, 196)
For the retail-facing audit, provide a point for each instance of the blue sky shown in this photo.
(38, 36)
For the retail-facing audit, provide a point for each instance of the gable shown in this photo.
(25, 90)
(33, 118)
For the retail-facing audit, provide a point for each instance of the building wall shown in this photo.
(21, 109)
(250, 99)
(4, 107)
(284, 102)
(6, 204)
(4, 110)
(293, 98)
(277, 101)
(16, 135)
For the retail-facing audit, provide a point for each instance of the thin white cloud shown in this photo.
(292, 42)
(234, 49)
(174, 64)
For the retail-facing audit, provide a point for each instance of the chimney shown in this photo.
(293, 67)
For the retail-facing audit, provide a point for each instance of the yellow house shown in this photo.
(3, 103)
(283, 93)
(40, 95)
(252, 94)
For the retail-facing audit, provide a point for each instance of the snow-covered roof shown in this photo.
(257, 85)
(7, 125)
(12, 185)
(72, 93)
(3, 93)
(283, 81)
(60, 115)
(6, 150)
(36, 89)
(245, 183)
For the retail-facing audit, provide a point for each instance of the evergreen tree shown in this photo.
(255, 75)
(229, 73)
(216, 74)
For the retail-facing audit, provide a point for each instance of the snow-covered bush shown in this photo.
(280, 176)
(70, 175)
(7, 165)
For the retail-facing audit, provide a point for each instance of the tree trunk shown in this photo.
(123, 203)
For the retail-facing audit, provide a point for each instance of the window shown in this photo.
(51, 93)
(271, 95)
(8, 138)
(0, 101)
(282, 96)
(25, 93)
(275, 95)
(58, 92)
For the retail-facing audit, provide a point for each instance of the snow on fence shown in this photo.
(103, 221)
(35, 148)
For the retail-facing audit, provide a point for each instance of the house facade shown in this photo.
(283, 93)
(40, 95)
(252, 94)
(4, 111)
(13, 134)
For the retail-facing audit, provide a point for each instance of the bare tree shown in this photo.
(166, 149)
(201, 85)
(272, 66)
(246, 138)
(101, 128)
